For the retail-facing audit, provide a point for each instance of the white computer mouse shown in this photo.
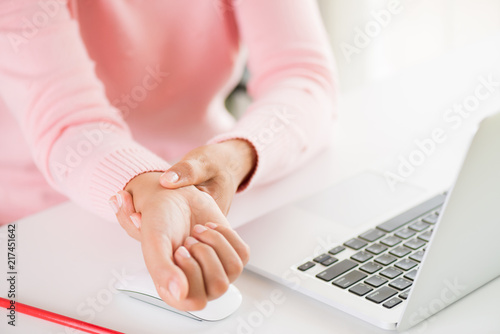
(141, 287)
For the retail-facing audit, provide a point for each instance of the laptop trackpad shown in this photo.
(360, 199)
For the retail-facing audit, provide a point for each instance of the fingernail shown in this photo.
(199, 228)
(135, 220)
(191, 241)
(170, 176)
(174, 290)
(183, 252)
(116, 203)
(213, 226)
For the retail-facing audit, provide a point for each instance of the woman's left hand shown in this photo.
(217, 169)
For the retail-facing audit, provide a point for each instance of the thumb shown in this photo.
(185, 173)
(170, 281)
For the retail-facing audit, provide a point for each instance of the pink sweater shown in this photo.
(95, 92)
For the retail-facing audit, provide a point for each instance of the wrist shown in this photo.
(143, 183)
(146, 186)
(242, 161)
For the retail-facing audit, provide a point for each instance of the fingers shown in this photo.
(211, 259)
(170, 281)
(233, 238)
(227, 255)
(189, 171)
(221, 256)
(197, 297)
(215, 279)
(124, 209)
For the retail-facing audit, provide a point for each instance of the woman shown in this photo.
(99, 95)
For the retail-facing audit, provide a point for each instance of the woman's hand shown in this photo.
(216, 169)
(189, 248)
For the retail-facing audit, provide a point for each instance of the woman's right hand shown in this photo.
(191, 252)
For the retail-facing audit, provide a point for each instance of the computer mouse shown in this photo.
(141, 287)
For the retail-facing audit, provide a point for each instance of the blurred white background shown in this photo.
(403, 33)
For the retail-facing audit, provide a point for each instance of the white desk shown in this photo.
(67, 258)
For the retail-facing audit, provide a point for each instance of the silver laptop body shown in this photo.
(460, 253)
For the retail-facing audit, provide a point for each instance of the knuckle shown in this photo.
(212, 237)
(186, 168)
(234, 269)
(203, 159)
(200, 248)
(219, 286)
(206, 163)
(245, 253)
(223, 230)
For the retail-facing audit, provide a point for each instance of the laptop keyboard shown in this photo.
(386, 258)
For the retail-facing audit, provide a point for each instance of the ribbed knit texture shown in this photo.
(95, 92)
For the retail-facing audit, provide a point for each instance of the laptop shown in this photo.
(391, 257)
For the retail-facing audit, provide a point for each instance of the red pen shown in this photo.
(57, 318)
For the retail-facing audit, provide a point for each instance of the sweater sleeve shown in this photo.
(78, 140)
(292, 84)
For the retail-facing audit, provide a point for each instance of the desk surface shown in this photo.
(67, 264)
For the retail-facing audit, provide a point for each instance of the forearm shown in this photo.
(90, 164)
(292, 85)
(79, 141)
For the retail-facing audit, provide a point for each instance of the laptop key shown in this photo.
(431, 218)
(376, 249)
(417, 256)
(415, 243)
(321, 258)
(400, 251)
(362, 256)
(370, 267)
(330, 261)
(405, 233)
(381, 294)
(305, 266)
(391, 241)
(419, 226)
(349, 279)
(405, 264)
(411, 275)
(336, 270)
(407, 216)
(392, 302)
(372, 235)
(404, 295)
(391, 272)
(426, 236)
(385, 259)
(376, 281)
(361, 289)
(355, 244)
(336, 250)
(400, 284)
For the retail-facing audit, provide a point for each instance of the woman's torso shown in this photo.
(167, 65)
